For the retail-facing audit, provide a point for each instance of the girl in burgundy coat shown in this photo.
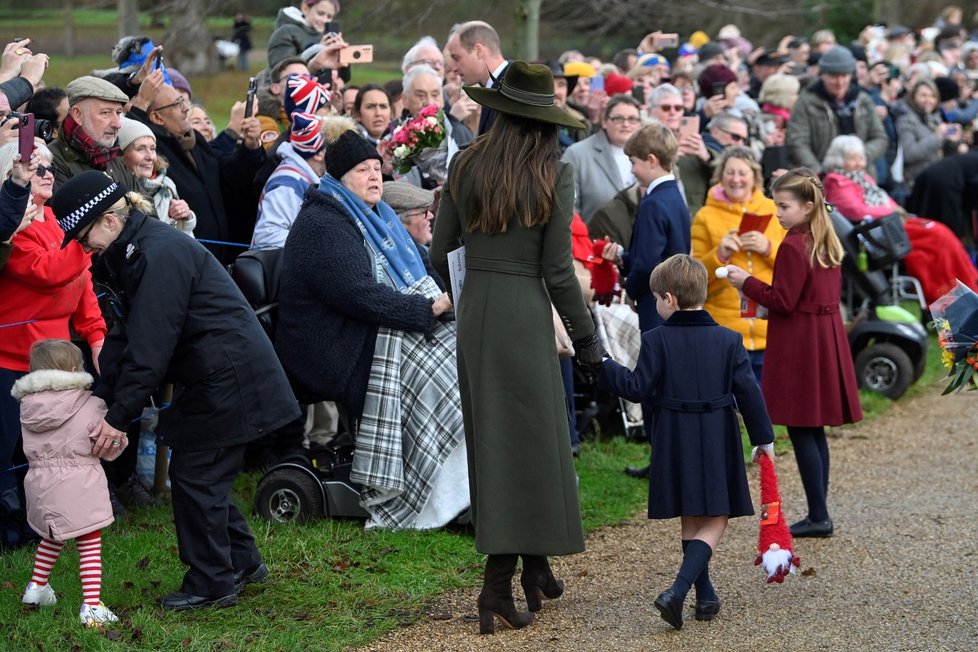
(809, 381)
(67, 493)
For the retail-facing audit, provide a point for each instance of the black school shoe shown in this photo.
(707, 609)
(812, 529)
(670, 607)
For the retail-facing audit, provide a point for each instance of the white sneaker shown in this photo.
(39, 596)
(96, 615)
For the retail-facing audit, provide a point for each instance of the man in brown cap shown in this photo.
(88, 138)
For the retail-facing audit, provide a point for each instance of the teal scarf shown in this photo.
(383, 231)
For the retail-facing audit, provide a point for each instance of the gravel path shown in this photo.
(898, 575)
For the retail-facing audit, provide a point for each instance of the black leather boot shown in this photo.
(538, 580)
(496, 599)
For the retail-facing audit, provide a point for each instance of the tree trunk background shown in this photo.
(128, 17)
(188, 46)
(526, 30)
(69, 42)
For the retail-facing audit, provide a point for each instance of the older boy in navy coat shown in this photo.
(661, 230)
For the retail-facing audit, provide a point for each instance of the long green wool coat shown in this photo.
(521, 471)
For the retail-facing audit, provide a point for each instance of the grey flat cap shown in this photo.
(89, 86)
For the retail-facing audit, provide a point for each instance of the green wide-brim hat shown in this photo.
(526, 90)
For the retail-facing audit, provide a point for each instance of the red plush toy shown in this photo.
(604, 275)
(775, 544)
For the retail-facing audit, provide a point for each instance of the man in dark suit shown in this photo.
(476, 51)
(217, 187)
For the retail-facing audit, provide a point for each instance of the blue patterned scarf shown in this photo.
(383, 231)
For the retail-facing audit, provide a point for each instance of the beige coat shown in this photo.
(67, 493)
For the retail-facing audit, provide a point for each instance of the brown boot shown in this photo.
(496, 599)
(538, 580)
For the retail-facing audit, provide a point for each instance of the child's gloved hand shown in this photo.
(765, 449)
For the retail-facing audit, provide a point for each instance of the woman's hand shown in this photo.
(21, 173)
(729, 244)
(329, 56)
(736, 276)
(612, 251)
(108, 442)
(693, 144)
(441, 305)
(179, 210)
(96, 352)
(251, 133)
(29, 214)
(755, 241)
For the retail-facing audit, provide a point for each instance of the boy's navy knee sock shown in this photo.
(695, 560)
(703, 584)
(811, 468)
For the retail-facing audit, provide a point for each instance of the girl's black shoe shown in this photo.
(812, 529)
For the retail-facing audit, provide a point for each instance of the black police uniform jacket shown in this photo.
(182, 320)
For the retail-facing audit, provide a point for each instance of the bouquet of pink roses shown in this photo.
(409, 141)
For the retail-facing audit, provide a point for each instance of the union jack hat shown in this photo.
(306, 134)
(82, 199)
(305, 95)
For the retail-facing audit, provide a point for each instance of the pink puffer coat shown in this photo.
(67, 493)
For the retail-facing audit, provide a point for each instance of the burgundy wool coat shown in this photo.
(808, 378)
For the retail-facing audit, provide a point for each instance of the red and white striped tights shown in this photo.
(89, 562)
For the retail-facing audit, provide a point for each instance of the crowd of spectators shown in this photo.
(889, 120)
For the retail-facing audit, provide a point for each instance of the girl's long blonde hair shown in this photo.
(804, 184)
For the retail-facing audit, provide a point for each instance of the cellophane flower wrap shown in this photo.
(956, 320)
(408, 140)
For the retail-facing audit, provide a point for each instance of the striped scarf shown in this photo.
(96, 155)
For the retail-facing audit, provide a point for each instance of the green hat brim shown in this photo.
(492, 98)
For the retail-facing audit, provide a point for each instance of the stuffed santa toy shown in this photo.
(775, 543)
(604, 275)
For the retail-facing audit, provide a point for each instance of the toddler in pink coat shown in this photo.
(67, 493)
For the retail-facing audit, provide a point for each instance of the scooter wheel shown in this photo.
(885, 368)
(288, 495)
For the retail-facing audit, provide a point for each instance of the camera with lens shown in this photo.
(43, 129)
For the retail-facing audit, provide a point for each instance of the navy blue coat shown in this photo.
(693, 371)
(330, 305)
(183, 320)
(661, 230)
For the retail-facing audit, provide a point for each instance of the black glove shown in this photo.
(589, 353)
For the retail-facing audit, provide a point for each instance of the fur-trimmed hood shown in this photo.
(50, 397)
(46, 380)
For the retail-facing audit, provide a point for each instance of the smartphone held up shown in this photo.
(250, 97)
(357, 54)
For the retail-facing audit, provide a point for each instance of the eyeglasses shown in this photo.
(678, 108)
(181, 104)
(737, 137)
(83, 237)
(621, 119)
(44, 170)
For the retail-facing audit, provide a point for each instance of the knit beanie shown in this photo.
(132, 130)
(82, 199)
(837, 60)
(306, 134)
(947, 88)
(715, 73)
(615, 84)
(303, 94)
(179, 82)
(349, 150)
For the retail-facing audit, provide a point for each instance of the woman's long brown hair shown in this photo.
(513, 168)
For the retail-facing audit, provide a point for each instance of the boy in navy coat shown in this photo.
(696, 375)
(662, 226)
(661, 230)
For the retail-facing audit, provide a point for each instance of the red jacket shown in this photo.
(808, 377)
(47, 286)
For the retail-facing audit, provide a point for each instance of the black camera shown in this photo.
(43, 129)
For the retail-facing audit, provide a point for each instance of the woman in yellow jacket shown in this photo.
(717, 241)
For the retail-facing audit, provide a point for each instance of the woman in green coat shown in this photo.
(510, 200)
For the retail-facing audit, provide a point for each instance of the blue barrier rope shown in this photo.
(222, 242)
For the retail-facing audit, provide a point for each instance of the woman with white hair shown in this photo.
(937, 256)
(46, 291)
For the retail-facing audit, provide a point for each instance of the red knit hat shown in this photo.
(715, 73)
(615, 84)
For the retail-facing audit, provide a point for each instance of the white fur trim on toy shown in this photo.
(722, 272)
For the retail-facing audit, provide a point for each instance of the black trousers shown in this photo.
(212, 535)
